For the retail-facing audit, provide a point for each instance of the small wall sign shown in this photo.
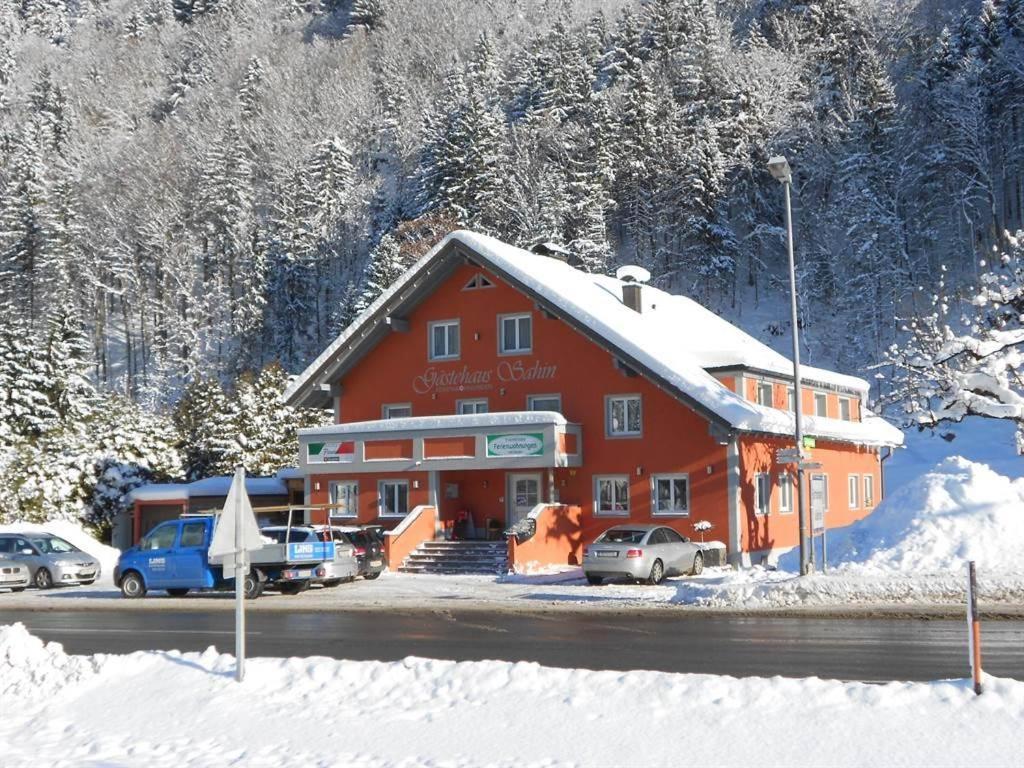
(328, 453)
(506, 446)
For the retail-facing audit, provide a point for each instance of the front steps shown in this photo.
(484, 557)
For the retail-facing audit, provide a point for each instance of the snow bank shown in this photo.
(31, 669)
(172, 709)
(77, 535)
(959, 511)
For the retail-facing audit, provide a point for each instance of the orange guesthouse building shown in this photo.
(491, 385)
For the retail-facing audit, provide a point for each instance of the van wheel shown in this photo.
(43, 579)
(177, 592)
(698, 564)
(132, 585)
(657, 573)
(253, 585)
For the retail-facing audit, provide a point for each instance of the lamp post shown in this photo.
(779, 168)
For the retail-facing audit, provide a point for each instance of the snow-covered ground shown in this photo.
(175, 710)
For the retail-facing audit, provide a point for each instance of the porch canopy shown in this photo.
(509, 440)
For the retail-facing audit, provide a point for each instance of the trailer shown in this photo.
(174, 557)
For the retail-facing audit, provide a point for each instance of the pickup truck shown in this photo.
(174, 556)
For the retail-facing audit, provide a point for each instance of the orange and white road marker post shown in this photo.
(974, 627)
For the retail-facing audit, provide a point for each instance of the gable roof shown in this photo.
(672, 342)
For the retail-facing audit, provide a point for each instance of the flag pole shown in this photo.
(239, 580)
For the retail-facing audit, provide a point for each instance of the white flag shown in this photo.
(236, 518)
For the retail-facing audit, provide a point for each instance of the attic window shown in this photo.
(478, 281)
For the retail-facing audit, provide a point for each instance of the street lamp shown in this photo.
(779, 168)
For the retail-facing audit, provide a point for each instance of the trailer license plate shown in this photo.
(295, 574)
(375, 563)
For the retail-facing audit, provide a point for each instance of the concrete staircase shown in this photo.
(489, 557)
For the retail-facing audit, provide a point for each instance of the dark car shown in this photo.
(369, 549)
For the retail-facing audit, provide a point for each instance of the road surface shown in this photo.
(850, 649)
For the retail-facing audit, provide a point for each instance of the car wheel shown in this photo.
(371, 576)
(698, 564)
(177, 592)
(253, 586)
(132, 585)
(43, 579)
(595, 581)
(657, 573)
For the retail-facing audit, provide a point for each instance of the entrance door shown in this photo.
(523, 496)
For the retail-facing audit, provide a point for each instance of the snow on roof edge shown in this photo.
(447, 421)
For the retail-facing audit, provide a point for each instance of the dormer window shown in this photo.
(478, 281)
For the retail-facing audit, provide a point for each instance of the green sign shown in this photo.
(506, 446)
(809, 442)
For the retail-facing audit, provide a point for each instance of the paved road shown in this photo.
(861, 649)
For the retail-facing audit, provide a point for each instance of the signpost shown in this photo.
(973, 627)
(235, 535)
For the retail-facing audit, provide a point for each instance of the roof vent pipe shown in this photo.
(633, 279)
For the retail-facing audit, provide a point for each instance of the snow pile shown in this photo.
(31, 669)
(74, 534)
(173, 709)
(959, 511)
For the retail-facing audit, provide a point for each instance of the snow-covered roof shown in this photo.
(451, 421)
(209, 486)
(673, 340)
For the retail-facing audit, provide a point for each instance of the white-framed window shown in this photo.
(478, 405)
(623, 416)
(853, 484)
(765, 393)
(544, 403)
(791, 399)
(443, 340)
(844, 408)
(393, 498)
(820, 404)
(762, 493)
(396, 411)
(670, 495)
(343, 495)
(869, 490)
(785, 492)
(515, 334)
(611, 495)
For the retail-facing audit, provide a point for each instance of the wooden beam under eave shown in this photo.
(398, 324)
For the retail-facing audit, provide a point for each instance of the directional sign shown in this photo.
(810, 465)
(789, 456)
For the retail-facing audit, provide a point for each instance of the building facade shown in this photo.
(490, 380)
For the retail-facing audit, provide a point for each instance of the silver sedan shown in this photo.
(641, 553)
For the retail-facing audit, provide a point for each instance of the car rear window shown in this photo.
(295, 535)
(622, 536)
